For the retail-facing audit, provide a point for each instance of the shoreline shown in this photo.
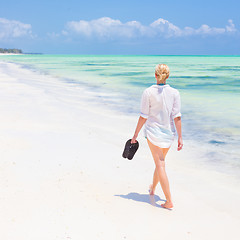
(7, 54)
(206, 143)
(62, 170)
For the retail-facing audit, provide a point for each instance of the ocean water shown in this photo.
(209, 87)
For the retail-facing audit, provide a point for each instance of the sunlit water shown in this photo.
(209, 88)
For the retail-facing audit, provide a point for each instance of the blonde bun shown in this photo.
(162, 72)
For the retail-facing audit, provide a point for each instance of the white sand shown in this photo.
(62, 175)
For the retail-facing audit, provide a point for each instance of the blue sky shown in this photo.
(121, 27)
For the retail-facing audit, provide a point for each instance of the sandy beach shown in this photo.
(63, 177)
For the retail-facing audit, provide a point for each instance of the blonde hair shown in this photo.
(162, 71)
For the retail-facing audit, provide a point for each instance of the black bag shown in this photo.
(130, 149)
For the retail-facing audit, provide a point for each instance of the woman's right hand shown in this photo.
(134, 139)
(180, 144)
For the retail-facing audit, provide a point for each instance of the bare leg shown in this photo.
(158, 157)
(152, 187)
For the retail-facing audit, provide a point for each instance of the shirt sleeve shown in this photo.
(176, 106)
(145, 105)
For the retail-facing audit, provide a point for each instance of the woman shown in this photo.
(160, 109)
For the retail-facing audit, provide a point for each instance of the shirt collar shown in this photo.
(161, 86)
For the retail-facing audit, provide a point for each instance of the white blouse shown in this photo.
(160, 105)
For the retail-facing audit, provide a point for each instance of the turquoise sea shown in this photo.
(209, 88)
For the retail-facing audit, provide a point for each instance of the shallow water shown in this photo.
(209, 88)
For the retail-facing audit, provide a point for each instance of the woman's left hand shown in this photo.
(180, 144)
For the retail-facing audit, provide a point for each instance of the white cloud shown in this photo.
(104, 28)
(203, 30)
(165, 27)
(14, 29)
(206, 30)
(231, 27)
(108, 28)
(53, 35)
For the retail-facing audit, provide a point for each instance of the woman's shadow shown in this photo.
(146, 198)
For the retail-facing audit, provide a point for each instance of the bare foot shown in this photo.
(167, 205)
(151, 190)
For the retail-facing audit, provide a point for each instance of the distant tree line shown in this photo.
(10, 50)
